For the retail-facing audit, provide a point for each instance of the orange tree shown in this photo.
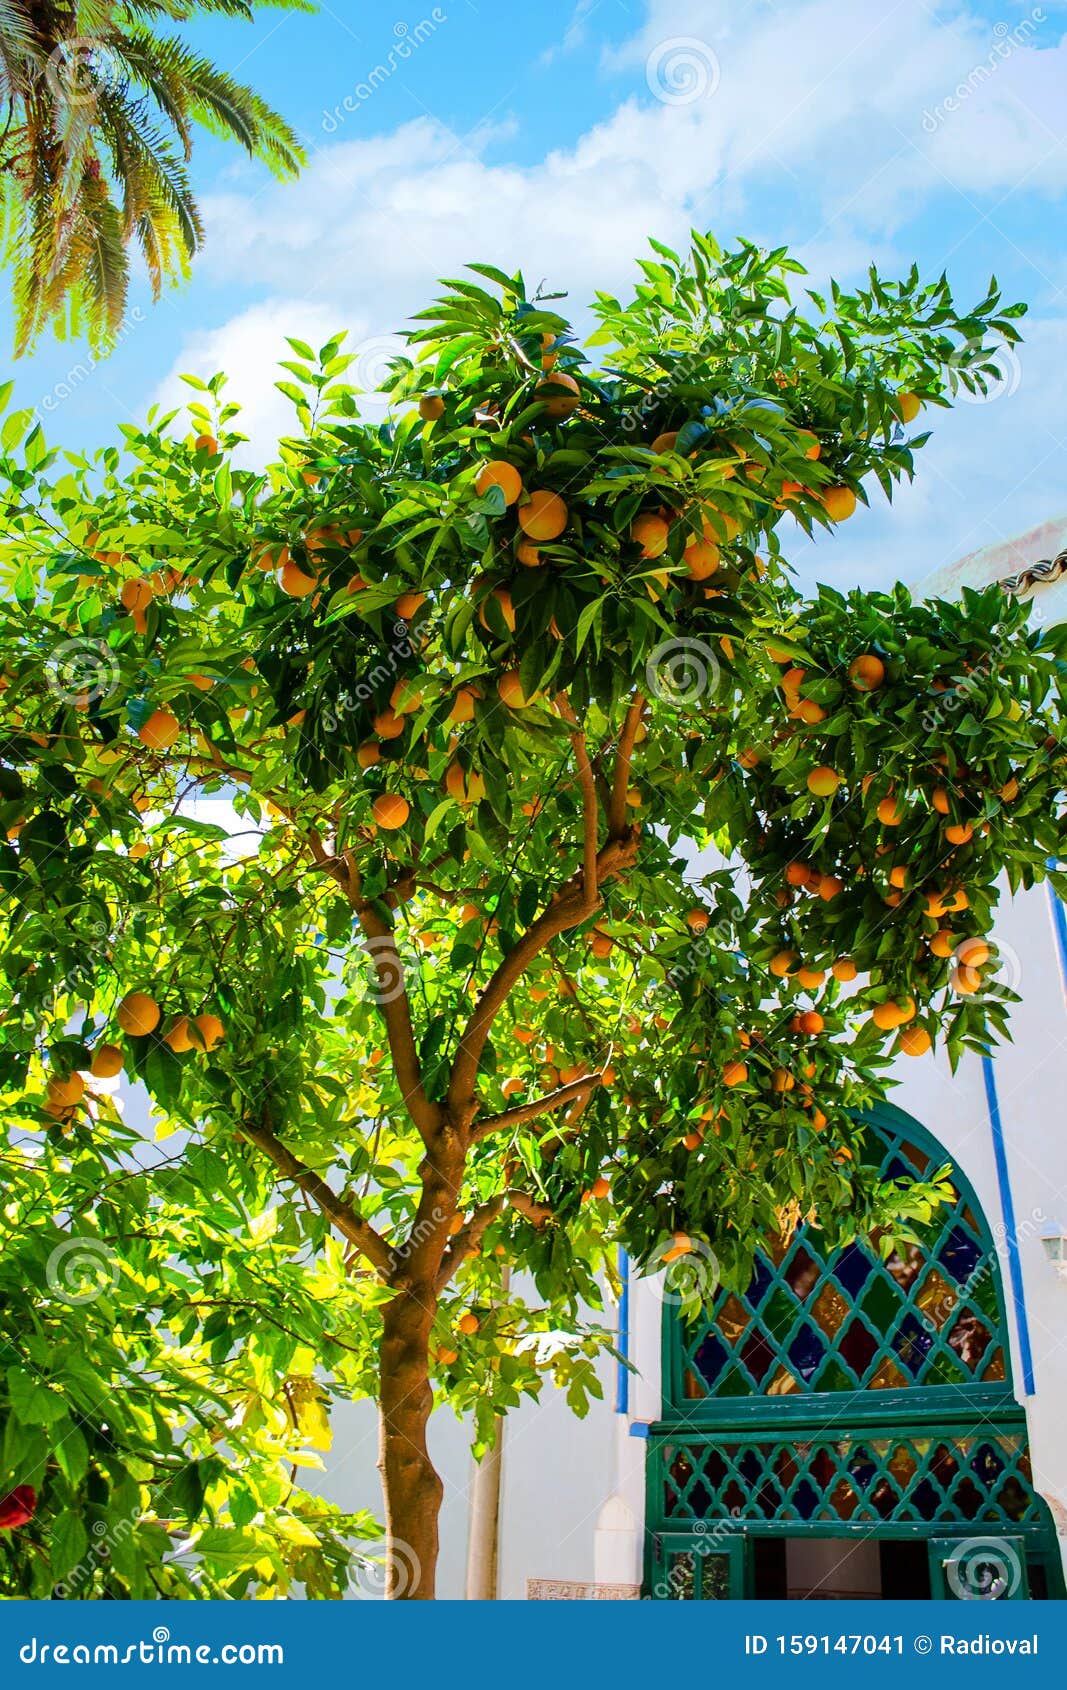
(580, 879)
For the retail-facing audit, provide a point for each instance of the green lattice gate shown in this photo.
(842, 1396)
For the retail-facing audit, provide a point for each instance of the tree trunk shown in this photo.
(411, 1487)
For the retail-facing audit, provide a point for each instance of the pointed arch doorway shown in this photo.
(847, 1427)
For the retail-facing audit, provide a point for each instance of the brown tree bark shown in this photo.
(412, 1489)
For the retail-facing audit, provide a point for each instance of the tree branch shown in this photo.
(568, 908)
(620, 784)
(590, 806)
(341, 1214)
(469, 1237)
(523, 1112)
(393, 1000)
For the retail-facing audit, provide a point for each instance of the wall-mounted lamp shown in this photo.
(1054, 1245)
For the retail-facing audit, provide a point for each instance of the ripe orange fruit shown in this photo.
(408, 605)
(159, 731)
(1009, 790)
(898, 876)
(138, 1014)
(135, 595)
(889, 813)
(651, 534)
(463, 702)
(692, 1139)
(702, 558)
(965, 980)
(295, 581)
(818, 1120)
(543, 516)
(66, 1092)
(810, 1022)
(939, 799)
(178, 1035)
(735, 1074)
(810, 978)
(823, 782)
(206, 443)
(600, 1186)
(445, 1357)
(867, 672)
(368, 754)
(909, 405)
(390, 810)
(844, 969)
(431, 407)
(601, 946)
(915, 1041)
(528, 554)
(782, 1080)
(810, 442)
(664, 442)
(838, 503)
(512, 1087)
(784, 963)
(958, 833)
(107, 1062)
(465, 786)
(499, 473)
(808, 711)
(406, 697)
(697, 920)
(830, 886)
(973, 953)
(507, 609)
(943, 943)
(208, 1032)
(510, 690)
(560, 395)
(799, 874)
(468, 1324)
(388, 725)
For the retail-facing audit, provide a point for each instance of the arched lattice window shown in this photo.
(840, 1396)
(814, 1320)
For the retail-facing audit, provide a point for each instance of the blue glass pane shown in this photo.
(912, 1344)
(805, 1499)
(959, 1254)
(807, 1351)
(711, 1358)
(760, 1281)
(852, 1269)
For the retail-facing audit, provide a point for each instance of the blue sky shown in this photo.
(560, 136)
